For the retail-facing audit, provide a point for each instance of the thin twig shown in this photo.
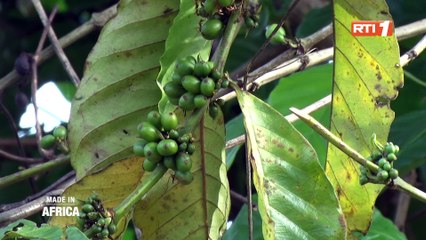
(33, 206)
(53, 186)
(27, 173)
(97, 20)
(14, 128)
(54, 40)
(242, 199)
(19, 158)
(356, 156)
(415, 79)
(34, 82)
(414, 52)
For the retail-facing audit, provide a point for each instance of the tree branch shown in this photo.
(24, 174)
(54, 40)
(414, 52)
(98, 20)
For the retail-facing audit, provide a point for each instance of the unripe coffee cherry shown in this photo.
(60, 132)
(138, 148)
(391, 157)
(154, 118)
(174, 90)
(211, 29)
(382, 175)
(167, 147)
(207, 87)
(88, 208)
(210, 6)
(174, 134)
(47, 141)
(213, 111)
(169, 162)
(184, 67)
(203, 69)
(169, 121)
(279, 36)
(191, 84)
(225, 3)
(183, 162)
(184, 177)
(200, 101)
(393, 173)
(149, 165)
(191, 148)
(151, 152)
(186, 101)
(149, 132)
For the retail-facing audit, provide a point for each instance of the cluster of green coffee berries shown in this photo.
(384, 158)
(94, 220)
(161, 143)
(193, 83)
(57, 139)
(216, 12)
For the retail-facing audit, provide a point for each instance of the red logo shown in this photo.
(372, 28)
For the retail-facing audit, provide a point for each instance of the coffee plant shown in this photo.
(177, 123)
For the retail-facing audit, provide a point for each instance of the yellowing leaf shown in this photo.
(296, 200)
(366, 76)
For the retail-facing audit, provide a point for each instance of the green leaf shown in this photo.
(28, 230)
(314, 20)
(74, 233)
(112, 185)
(365, 80)
(171, 210)
(409, 133)
(301, 89)
(239, 227)
(382, 228)
(184, 40)
(119, 88)
(296, 200)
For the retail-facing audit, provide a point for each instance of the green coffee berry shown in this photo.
(387, 166)
(174, 134)
(391, 157)
(376, 155)
(138, 148)
(396, 149)
(250, 22)
(154, 118)
(363, 180)
(382, 175)
(186, 101)
(362, 170)
(174, 101)
(176, 78)
(389, 148)
(191, 148)
(47, 141)
(211, 29)
(184, 177)
(60, 132)
(167, 147)
(203, 69)
(149, 165)
(105, 233)
(393, 173)
(184, 67)
(169, 162)
(183, 162)
(210, 6)
(184, 138)
(87, 208)
(149, 132)
(213, 111)
(382, 162)
(174, 90)
(216, 75)
(207, 87)
(100, 222)
(225, 83)
(191, 84)
(112, 228)
(93, 216)
(279, 36)
(151, 152)
(200, 101)
(169, 121)
(225, 3)
(183, 146)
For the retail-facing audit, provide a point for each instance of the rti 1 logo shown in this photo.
(372, 28)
